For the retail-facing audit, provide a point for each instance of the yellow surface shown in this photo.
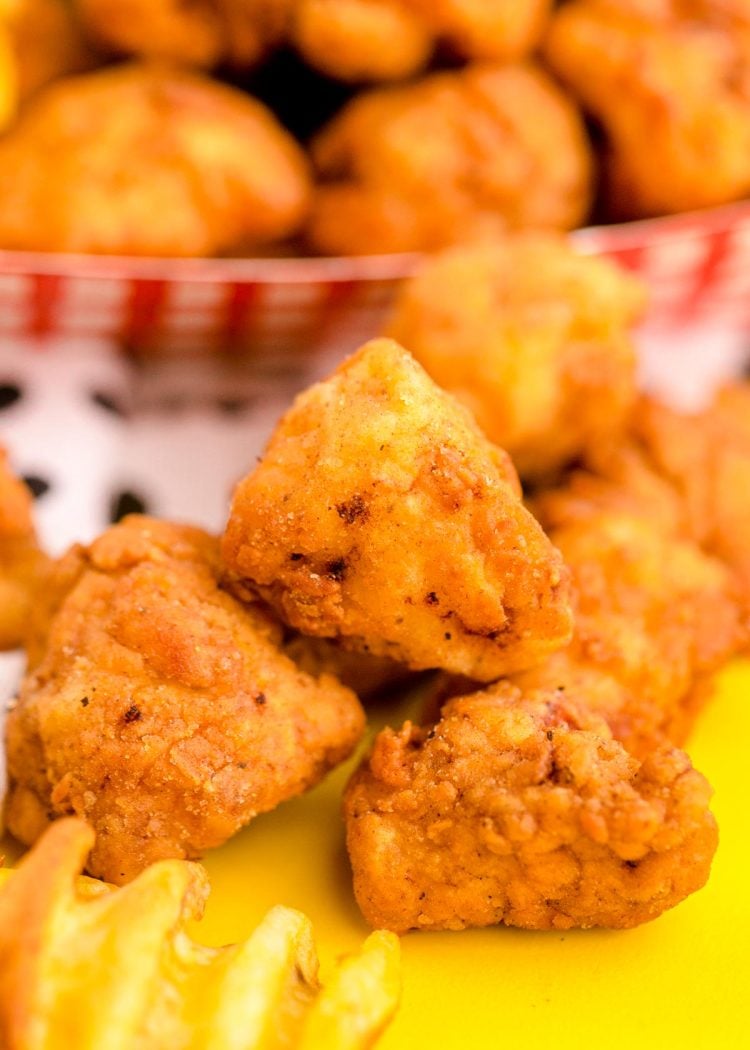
(683, 980)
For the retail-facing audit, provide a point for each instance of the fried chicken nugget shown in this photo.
(201, 33)
(387, 39)
(734, 14)
(521, 809)
(8, 79)
(673, 96)
(148, 161)
(654, 617)
(381, 516)
(705, 458)
(532, 337)
(22, 563)
(617, 477)
(453, 156)
(161, 710)
(687, 473)
(352, 40)
(47, 42)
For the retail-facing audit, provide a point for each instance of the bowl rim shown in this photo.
(212, 270)
(638, 233)
(344, 269)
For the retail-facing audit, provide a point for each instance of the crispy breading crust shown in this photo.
(450, 157)
(533, 337)
(381, 516)
(48, 42)
(161, 710)
(521, 809)
(209, 169)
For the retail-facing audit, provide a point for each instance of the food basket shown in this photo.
(697, 266)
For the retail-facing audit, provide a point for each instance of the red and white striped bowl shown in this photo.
(697, 266)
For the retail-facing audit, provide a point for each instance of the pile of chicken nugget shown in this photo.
(236, 127)
(571, 621)
(495, 514)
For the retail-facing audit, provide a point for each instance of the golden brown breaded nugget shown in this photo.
(148, 161)
(688, 473)
(672, 94)
(201, 33)
(532, 337)
(381, 516)
(654, 617)
(162, 711)
(352, 40)
(387, 39)
(453, 156)
(22, 563)
(521, 809)
(47, 42)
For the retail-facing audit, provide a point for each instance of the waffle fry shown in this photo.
(110, 969)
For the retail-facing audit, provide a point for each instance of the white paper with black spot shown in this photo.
(99, 435)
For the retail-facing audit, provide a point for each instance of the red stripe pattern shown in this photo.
(697, 267)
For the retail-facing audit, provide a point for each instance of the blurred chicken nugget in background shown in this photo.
(22, 563)
(655, 616)
(203, 33)
(151, 161)
(519, 807)
(689, 473)
(360, 40)
(533, 337)
(453, 156)
(367, 675)
(160, 709)
(351, 40)
(381, 516)
(47, 42)
(8, 78)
